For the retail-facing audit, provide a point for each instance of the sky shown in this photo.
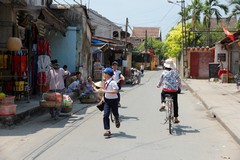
(140, 13)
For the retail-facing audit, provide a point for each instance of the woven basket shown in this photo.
(67, 103)
(66, 109)
(50, 104)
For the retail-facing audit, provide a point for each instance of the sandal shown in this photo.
(107, 134)
(117, 123)
(162, 109)
(176, 121)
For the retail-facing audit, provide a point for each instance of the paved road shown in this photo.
(142, 134)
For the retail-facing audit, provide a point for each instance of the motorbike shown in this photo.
(135, 77)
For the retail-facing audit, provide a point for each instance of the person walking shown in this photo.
(118, 78)
(110, 98)
(170, 82)
(55, 77)
(142, 68)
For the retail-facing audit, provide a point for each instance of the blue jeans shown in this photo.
(111, 105)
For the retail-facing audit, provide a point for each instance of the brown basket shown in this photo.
(66, 109)
(50, 104)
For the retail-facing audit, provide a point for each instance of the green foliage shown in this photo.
(152, 43)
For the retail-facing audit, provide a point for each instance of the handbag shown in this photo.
(100, 106)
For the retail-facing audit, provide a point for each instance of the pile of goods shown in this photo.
(67, 104)
(7, 106)
(53, 99)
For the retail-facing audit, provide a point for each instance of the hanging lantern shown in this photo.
(14, 44)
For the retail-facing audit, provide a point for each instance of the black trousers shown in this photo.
(111, 105)
(175, 100)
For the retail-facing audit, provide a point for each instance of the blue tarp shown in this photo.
(97, 41)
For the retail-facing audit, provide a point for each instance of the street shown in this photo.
(142, 134)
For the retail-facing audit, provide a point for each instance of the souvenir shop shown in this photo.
(24, 61)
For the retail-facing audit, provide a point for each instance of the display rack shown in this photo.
(14, 73)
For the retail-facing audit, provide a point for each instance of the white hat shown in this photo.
(169, 64)
(99, 84)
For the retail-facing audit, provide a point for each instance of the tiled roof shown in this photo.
(140, 32)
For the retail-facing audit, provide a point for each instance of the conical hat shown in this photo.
(99, 84)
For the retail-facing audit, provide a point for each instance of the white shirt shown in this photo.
(111, 86)
(116, 75)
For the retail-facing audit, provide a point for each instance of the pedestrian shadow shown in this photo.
(123, 135)
(122, 117)
(123, 107)
(183, 130)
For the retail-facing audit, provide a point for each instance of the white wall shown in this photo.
(219, 50)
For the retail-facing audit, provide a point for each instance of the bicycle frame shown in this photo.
(169, 112)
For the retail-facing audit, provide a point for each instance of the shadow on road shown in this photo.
(183, 130)
(123, 135)
(122, 117)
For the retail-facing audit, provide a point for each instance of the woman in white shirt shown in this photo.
(111, 101)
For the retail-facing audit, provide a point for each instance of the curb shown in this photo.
(234, 136)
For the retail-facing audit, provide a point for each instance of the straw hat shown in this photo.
(99, 84)
(169, 64)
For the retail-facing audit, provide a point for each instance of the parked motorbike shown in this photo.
(135, 77)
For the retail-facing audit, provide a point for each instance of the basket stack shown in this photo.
(7, 106)
(50, 100)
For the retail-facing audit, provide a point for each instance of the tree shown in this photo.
(212, 8)
(235, 11)
(152, 43)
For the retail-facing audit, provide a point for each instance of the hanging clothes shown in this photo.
(43, 47)
(44, 63)
(42, 78)
(19, 64)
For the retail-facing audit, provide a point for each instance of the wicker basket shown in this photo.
(66, 109)
(67, 103)
(49, 104)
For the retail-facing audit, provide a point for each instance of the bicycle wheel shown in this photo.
(170, 122)
(170, 117)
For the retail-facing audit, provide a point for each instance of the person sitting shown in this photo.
(77, 76)
(90, 90)
(74, 87)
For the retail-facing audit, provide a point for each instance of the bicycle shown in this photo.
(169, 112)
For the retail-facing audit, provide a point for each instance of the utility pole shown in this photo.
(145, 46)
(125, 46)
(126, 30)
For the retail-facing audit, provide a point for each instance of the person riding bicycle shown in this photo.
(170, 82)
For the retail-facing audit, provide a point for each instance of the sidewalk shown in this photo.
(222, 100)
(26, 110)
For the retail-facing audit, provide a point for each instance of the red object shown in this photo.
(43, 47)
(42, 78)
(220, 72)
(8, 109)
(8, 100)
(230, 35)
(19, 64)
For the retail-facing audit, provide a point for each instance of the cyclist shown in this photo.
(170, 82)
